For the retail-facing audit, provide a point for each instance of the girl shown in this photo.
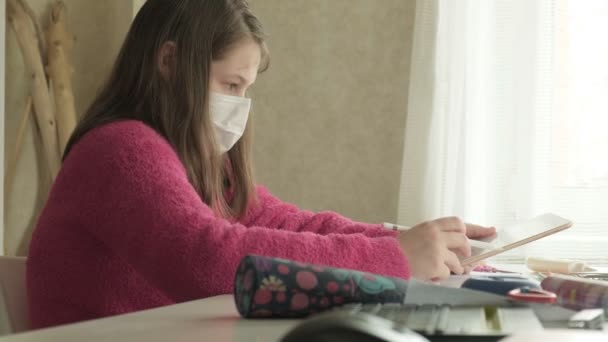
(155, 203)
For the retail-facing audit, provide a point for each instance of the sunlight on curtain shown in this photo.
(514, 118)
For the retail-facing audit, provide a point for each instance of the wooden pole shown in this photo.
(30, 13)
(13, 159)
(60, 44)
(29, 44)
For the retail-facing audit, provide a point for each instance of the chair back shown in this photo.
(13, 296)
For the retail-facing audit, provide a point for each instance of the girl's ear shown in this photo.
(166, 59)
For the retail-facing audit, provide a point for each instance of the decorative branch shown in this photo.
(30, 48)
(14, 157)
(30, 12)
(60, 45)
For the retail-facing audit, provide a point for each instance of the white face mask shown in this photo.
(229, 116)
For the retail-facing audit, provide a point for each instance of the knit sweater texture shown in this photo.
(124, 230)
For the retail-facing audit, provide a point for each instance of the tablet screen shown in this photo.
(520, 234)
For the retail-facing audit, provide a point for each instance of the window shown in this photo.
(508, 119)
(578, 118)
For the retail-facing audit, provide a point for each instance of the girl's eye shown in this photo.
(233, 86)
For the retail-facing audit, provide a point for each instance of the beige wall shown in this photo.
(2, 57)
(330, 113)
(100, 27)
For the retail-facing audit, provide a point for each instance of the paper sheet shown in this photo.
(420, 293)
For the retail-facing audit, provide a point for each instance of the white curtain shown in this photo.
(508, 119)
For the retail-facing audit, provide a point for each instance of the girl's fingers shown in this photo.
(453, 263)
(457, 243)
(451, 224)
(474, 231)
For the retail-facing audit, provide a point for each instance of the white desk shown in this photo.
(211, 319)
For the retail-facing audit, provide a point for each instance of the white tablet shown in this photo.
(520, 234)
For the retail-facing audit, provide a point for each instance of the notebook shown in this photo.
(519, 234)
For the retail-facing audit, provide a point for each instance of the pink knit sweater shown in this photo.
(123, 230)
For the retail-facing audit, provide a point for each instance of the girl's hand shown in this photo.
(476, 232)
(433, 248)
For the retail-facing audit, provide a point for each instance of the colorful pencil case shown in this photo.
(577, 293)
(271, 287)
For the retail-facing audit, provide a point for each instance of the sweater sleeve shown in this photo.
(136, 199)
(271, 212)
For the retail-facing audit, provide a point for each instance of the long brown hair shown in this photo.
(177, 107)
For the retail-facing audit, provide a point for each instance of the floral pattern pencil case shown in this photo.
(272, 287)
